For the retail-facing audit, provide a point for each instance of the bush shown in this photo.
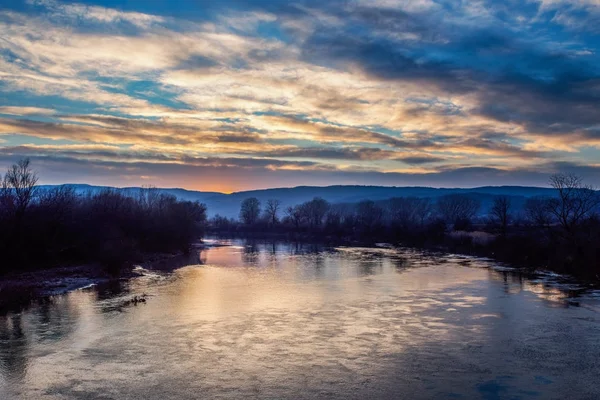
(58, 226)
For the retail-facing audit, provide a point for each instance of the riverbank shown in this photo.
(18, 289)
(527, 249)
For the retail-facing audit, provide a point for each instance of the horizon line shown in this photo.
(302, 186)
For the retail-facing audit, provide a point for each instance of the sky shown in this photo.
(233, 95)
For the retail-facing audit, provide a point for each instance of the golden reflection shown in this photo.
(258, 314)
(514, 282)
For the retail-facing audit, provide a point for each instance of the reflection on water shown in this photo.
(265, 320)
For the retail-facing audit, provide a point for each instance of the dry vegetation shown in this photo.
(44, 228)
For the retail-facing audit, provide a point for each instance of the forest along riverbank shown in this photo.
(120, 228)
(558, 231)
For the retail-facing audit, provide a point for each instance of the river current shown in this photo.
(296, 321)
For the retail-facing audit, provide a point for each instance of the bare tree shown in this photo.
(295, 214)
(500, 212)
(4, 196)
(149, 197)
(409, 211)
(58, 201)
(315, 210)
(576, 201)
(537, 211)
(454, 208)
(333, 219)
(18, 187)
(271, 211)
(250, 210)
(369, 215)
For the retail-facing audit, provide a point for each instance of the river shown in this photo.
(299, 321)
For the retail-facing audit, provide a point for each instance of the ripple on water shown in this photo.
(289, 321)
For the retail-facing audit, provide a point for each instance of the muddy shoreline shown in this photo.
(18, 290)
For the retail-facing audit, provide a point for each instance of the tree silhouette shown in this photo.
(18, 187)
(576, 201)
(271, 211)
(500, 212)
(369, 215)
(315, 210)
(295, 214)
(408, 212)
(457, 208)
(250, 210)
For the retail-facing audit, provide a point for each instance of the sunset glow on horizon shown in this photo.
(238, 95)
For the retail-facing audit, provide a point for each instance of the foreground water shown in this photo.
(298, 321)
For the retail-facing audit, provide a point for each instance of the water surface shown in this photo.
(303, 321)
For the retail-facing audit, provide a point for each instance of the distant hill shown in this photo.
(229, 204)
(179, 193)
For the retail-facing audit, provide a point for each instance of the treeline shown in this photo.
(561, 233)
(45, 228)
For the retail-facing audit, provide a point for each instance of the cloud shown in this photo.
(426, 159)
(208, 177)
(355, 87)
(77, 12)
(25, 111)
